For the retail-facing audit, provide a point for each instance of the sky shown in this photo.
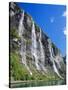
(51, 19)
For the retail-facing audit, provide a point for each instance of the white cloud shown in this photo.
(52, 19)
(64, 14)
(65, 31)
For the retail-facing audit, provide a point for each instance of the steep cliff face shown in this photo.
(35, 53)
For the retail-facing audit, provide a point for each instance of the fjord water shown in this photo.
(37, 83)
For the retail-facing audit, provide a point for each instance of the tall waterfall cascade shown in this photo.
(42, 54)
(23, 43)
(34, 46)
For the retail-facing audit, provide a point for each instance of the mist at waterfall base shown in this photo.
(51, 19)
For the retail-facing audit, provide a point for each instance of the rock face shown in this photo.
(37, 52)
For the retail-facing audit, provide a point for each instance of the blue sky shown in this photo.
(51, 19)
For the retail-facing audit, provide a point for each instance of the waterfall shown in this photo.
(23, 46)
(42, 54)
(52, 59)
(34, 46)
(21, 27)
(23, 43)
(57, 60)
